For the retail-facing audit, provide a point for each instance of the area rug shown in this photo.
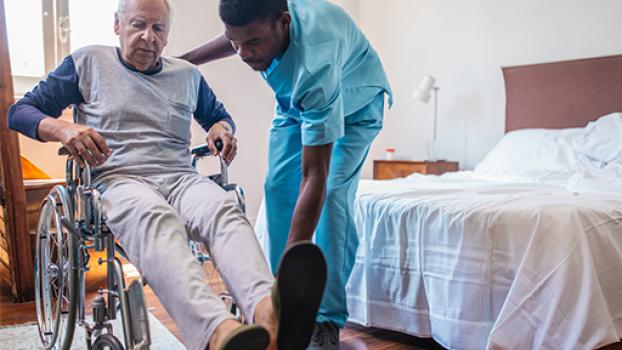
(26, 337)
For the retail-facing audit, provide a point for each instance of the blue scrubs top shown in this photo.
(328, 72)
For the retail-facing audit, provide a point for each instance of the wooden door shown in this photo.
(16, 265)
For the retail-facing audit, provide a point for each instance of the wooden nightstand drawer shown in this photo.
(391, 169)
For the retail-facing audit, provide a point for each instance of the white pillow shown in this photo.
(602, 139)
(531, 151)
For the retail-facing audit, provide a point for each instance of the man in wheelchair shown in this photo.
(133, 110)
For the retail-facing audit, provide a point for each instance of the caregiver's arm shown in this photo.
(215, 49)
(315, 166)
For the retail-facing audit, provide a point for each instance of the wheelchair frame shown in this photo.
(71, 224)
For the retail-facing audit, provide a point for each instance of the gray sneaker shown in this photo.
(325, 337)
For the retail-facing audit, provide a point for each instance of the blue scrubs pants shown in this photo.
(336, 233)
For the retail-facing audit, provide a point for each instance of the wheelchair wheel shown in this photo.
(55, 277)
(107, 342)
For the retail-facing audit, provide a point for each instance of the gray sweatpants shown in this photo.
(153, 217)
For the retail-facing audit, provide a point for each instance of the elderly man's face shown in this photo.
(143, 32)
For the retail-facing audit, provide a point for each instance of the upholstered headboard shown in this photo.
(562, 94)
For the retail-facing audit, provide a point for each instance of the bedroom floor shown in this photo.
(354, 337)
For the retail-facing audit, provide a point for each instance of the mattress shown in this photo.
(486, 262)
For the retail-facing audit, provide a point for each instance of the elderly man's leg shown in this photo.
(155, 239)
(213, 216)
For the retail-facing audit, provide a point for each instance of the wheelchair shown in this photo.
(71, 225)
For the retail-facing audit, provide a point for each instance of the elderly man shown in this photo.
(134, 113)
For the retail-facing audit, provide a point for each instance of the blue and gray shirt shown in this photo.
(144, 117)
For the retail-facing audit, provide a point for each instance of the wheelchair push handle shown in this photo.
(203, 150)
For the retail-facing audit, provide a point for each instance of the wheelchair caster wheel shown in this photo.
(107, 342)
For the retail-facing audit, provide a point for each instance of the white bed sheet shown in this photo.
(486, 262)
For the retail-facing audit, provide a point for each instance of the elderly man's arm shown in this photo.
(35, 115)
(217, 48)
(214, 118)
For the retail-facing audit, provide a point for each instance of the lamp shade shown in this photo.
(423, 91)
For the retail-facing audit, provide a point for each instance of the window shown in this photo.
(92, 23)
(42, 32)
(25, 37)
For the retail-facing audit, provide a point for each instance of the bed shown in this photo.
(525, 251)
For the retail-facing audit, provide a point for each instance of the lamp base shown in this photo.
(431, 151)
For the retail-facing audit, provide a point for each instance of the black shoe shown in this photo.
(325, 337)
(251, 337)
(300, 283)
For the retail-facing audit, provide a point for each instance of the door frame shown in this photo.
(19, 285)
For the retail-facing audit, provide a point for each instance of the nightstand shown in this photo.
(391, 169)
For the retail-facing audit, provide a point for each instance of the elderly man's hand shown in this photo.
(222, 132)
(82, 142)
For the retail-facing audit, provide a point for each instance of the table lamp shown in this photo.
(422, 94)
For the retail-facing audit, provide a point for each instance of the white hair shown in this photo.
(124, 4)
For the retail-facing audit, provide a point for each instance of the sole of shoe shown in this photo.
(300, 284)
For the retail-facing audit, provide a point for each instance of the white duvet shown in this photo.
(481, 261)
(607, 180)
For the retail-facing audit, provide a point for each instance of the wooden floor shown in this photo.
(354, 337)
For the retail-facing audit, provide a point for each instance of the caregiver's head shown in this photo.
(143, 27)
(258, 29)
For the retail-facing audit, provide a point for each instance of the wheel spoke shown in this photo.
(55, 292)
(54, 238)
(65, 304)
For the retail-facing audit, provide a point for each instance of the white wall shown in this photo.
(464, 44)
(351, 6)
